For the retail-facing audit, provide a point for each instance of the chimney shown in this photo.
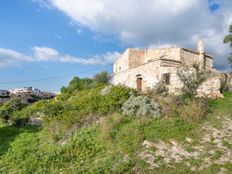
(201, 51)
(201, 46)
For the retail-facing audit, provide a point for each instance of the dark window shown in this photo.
(166, 78)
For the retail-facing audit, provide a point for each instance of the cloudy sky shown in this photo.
(40, 39)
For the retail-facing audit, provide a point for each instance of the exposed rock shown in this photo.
(35, 121)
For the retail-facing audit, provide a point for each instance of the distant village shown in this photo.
(27, 94)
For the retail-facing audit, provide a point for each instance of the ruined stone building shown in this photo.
(142, 69)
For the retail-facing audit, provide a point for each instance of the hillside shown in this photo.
(90, 129)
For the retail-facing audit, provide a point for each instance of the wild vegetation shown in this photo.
(192, 78)
(228, 40)
(92, 127)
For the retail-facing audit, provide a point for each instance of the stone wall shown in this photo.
(122, 63)
(136, 57)
(163, 53)
(211, 87)
(189, 58)
(149, 72)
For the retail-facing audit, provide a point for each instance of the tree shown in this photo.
(77, 84)
(228, 39)
(8, 109)
(103, 77)
(192, 78)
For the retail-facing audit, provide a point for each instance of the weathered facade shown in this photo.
(142, 69)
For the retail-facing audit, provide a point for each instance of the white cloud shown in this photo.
(103, 59)
(45, 54)
(10, 57)
(135, 20)
(157, 22)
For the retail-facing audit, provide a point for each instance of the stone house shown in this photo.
(142, 69)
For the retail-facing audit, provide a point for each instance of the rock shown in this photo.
(35, 121)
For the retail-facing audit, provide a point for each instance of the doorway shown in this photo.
(139, 83)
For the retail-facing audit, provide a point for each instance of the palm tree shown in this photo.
(228, 39)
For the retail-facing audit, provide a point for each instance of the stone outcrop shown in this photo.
(211, 87)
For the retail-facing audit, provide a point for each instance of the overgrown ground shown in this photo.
(120, 144)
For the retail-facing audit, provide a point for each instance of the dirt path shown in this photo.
(214, 147)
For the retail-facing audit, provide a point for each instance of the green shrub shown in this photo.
(141, 106)
(194, 109)
(170, 104)
(77, 84)
(36, 110)
(129, 137)
(102, 78)
(160, 89)
(111, 125)
(8, 109)
(83, 108)
(192, 78)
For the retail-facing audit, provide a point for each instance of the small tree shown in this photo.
(76, 84)
(226, 82)
(103, 77)
(8, 109)
(228, 39)
(192, 78)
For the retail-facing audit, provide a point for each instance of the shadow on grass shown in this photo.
(9, 133)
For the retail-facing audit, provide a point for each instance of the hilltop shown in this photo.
(92, 127)
(27, 95)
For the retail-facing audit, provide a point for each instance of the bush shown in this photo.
(8, 109)
(36, 110)
(192, 78)
(111, 125)
(160, 89)
(194, 109)
(141, 106)
(77, 84)
(102, 78)
(83, 108)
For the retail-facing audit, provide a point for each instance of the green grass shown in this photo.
(166, 129)
(222, 105)
(8, 134)
(110, 146)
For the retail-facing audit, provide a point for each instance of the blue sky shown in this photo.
(46, 38)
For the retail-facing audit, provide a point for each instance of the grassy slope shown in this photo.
(109, 147)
